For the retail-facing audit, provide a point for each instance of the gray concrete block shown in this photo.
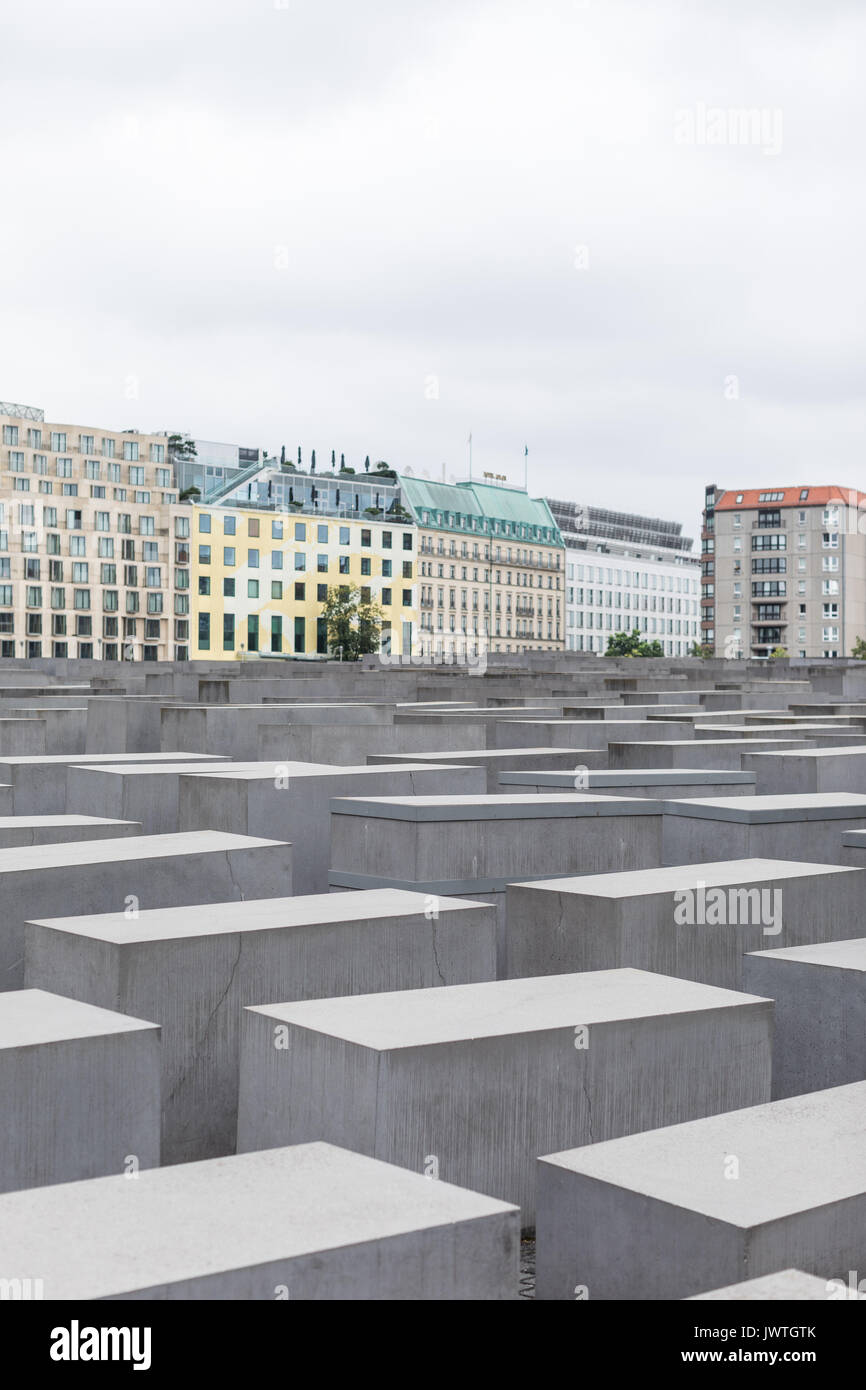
(19, 736)
(128, 875)
(676, 783)
(695, 922)
(698, 753)
(820, 994)
(144, 792)
(497, 761)
(39, 783)
(192, 969)
(481, 1077)
(307, 1223)
(761, 827)
(55, 830)
(683, 1210)
(812, 770)
(293, 801)
(582, 733)
(64, 730)
(79, 1090)
(477, 845)
(788, 1286)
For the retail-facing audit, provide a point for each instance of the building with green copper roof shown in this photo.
(483, 508)
(490, 565)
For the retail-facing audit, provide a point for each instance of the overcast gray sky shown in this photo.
(378, 227)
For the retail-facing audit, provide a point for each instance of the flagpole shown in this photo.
(470, 457)
(526, 467)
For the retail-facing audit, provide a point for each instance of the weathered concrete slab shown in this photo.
(496, 761)
(582, 733)
(694, 921)
(761, 827)
(144, 792)
(192, 969)
(479, 1076)
(789, 1286)
(687, 1209)
(820, 994)
(812, 770)
(39, 783)
(79, 1088)
(293, 800)
(128, 875)
(476, 845)
(677, 783)
(55, 830)
(21, 735)
(307, 1223)
(702, 753)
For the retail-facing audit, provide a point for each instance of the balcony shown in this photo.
(769, 525)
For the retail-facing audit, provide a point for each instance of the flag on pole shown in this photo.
(526, 451)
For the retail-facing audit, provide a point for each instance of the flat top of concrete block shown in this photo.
(42, 758)
(774, 728)
(602, 777)
(51, 709)
(260, 914)
(787, 1284)
(490, 806)
(189, 1220)
(149, 769)
(498, 1008)
(580, 723)
(268, 771)
(846, 750)
(32, 1017)
(44, 822)
(835, 955)
(763, 810)
(639, 883)
(704, 742)
(479, 754)
(37, 858)
(856, 839)
(794, 1155)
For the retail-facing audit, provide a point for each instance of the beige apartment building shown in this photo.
(94, 548)
(783, 568)
(491, 571)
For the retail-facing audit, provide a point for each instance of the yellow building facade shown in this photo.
(260, 579)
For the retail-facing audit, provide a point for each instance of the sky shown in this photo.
(626, 235)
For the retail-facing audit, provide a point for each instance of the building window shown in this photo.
(204, 631)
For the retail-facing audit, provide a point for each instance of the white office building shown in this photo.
(624, 572)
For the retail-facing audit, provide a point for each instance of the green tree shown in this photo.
(189, 492)
(353, 624)
(778, 653)
(180, 446)
(632, 644)
(701, 649)
(859, 649)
